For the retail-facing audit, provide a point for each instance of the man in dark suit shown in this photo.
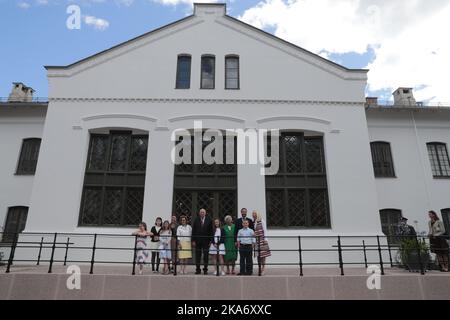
(240, 220)
(202, 234)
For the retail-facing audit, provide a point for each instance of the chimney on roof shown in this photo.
(20, 93)
(210, 9)
(371, 101)
(404, 97)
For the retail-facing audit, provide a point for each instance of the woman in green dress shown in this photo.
(230, 244)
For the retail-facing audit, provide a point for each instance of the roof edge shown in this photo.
(50, 67)
(296, 46)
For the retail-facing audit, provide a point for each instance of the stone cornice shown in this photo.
(217, 101)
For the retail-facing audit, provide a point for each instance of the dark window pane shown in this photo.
(382, 160)
(119, 151)
(314, 156)
(208, 72)
(296, 210)
(232, 73)
(15, 223)
(183, 72)
(98, 152)
(112, 206)
(29, 155)
(138, 159)
(134, 206)
(318, 202)
(293, 156)
(439, 160)
(390, 219)
(91, 206)
(275, 208)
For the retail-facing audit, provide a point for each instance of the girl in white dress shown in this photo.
(141, 245)
(218, 246)
(165, 236)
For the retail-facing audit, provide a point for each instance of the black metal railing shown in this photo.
(369, 250)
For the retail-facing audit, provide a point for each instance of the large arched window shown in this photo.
(29, 155)
(208, 72)
(440, 163)
(113, 192)
(232, 72)
(383, 164)
(297, 197)
(183, 72)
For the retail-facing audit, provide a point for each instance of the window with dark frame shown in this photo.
(446, 220)
(439, 160)
(29, 155)
(208, 70)
(113, 192)
(15, 222)
(183, 72)
(232, 72)
(390, 219)
(297, 195)
(209, 186)
(383, 164)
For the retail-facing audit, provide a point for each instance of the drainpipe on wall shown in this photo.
(421, 160)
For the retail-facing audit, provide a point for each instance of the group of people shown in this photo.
(174, 241)
(436, 234)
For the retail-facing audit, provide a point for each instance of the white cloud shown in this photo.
(96, 23)
(408, 36)
(177, 2)
(24, 5)
(42, 2)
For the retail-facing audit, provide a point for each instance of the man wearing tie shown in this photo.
(202, 234)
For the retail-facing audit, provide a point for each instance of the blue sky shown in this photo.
(34, 34)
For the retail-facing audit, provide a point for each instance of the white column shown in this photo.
(159, 177)
(251, 189)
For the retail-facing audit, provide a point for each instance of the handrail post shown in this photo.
(380, 256)
(91, 271)
(53, 253)
(217, 258)
(67, 249)
(300, 258)
(422, 271)
(389, 250)
(365, 254)
(133, 272)
(341, 262)
(40, 251)
(259, 256)
(174, 263)
(12, 252)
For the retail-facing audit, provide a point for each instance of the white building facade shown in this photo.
(105, 157)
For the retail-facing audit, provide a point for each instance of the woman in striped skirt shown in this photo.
(262, 250)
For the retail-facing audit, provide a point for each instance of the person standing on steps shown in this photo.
(202, 235)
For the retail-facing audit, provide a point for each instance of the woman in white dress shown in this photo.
(165, 236)
(217, 248)
(141, 245)
(184, 234)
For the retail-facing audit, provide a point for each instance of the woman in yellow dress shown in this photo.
(184, 233)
